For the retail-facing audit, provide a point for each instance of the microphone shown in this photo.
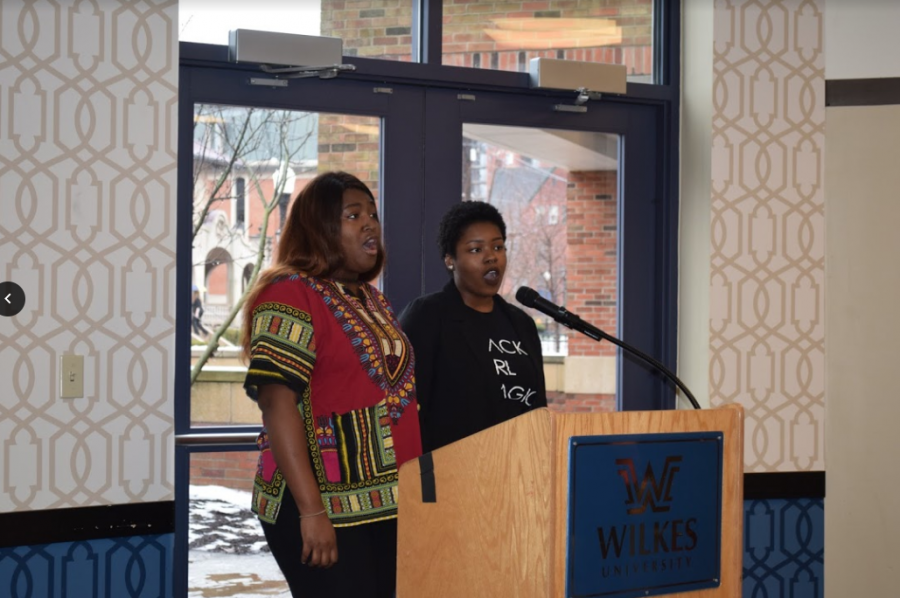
(530, 298)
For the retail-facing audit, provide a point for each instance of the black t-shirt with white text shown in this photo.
(515, 382)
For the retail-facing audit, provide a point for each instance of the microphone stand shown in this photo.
(530, 298)
(598, 335)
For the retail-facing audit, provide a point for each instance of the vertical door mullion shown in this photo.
(643, 317)
(443, 176)
(403, 176)
(428, 31)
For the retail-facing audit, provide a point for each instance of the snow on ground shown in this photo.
(228, 555)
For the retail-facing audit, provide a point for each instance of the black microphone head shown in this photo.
(526, 296)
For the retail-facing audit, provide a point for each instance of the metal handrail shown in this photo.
(216, 438)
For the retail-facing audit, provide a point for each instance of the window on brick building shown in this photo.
(607, 31)
(283, 203)
(240, 206)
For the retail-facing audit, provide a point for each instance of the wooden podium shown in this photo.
(499, 523)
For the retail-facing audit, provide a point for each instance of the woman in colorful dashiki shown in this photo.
(478, 358)
(333, 376)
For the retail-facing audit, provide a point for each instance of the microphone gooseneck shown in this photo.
(530, 298)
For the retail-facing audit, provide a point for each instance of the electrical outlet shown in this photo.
(71, 376)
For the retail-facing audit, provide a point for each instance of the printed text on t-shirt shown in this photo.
(503, 369)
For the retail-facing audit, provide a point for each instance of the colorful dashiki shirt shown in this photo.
(353, 372)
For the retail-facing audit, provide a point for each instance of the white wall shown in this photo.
(694, 219)
(862, 39)
(863, 284)
(862, 288)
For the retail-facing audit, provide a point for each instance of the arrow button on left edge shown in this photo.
(13, 299)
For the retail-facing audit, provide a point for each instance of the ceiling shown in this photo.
(572, 150)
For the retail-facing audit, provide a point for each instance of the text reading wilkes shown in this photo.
(640, 546)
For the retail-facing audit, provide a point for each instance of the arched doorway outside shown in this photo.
(218, 277)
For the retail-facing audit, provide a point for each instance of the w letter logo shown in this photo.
(647, 490)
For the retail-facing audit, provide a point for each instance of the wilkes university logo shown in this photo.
(648, 490)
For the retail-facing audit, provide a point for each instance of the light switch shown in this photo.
(71, 376)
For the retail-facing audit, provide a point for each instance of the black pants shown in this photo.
(367, 558)
(198, 326)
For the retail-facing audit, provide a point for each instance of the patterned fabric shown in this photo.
(327, 442)
(353, 372)
(282, 347)
(268, 484)
(366, 434)
(382, 349)
(363, 487)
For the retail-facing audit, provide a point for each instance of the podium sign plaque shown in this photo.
(644, 514)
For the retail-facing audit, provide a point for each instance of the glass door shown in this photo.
(579, 192)
(253, 148)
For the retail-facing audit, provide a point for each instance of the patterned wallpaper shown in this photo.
(768, 256)
(88, 97)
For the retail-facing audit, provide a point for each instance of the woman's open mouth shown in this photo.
(371, 246)
(492, 277)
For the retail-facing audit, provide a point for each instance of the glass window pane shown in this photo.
(558, 193)
(369, 28)
(506, 36)
(227, 551)
(249, 163)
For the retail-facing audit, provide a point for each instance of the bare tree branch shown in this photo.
(272, 136)
(224, 176)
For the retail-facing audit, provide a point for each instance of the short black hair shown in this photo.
(460, 217)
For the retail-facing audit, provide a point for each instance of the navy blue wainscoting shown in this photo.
(784, 548)
(129, 567)
(784, 553)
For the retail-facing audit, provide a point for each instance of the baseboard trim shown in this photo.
(799, 484)
(28, 528)
(862, 92)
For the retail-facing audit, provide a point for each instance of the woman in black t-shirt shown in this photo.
(478, 358)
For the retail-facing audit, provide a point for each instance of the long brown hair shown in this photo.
(310, 239)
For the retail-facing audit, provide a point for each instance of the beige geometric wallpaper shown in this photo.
(88, 99)
(767, 257)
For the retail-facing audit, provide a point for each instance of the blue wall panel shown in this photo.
(784, 548)
(784, 553)
(132, 567)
